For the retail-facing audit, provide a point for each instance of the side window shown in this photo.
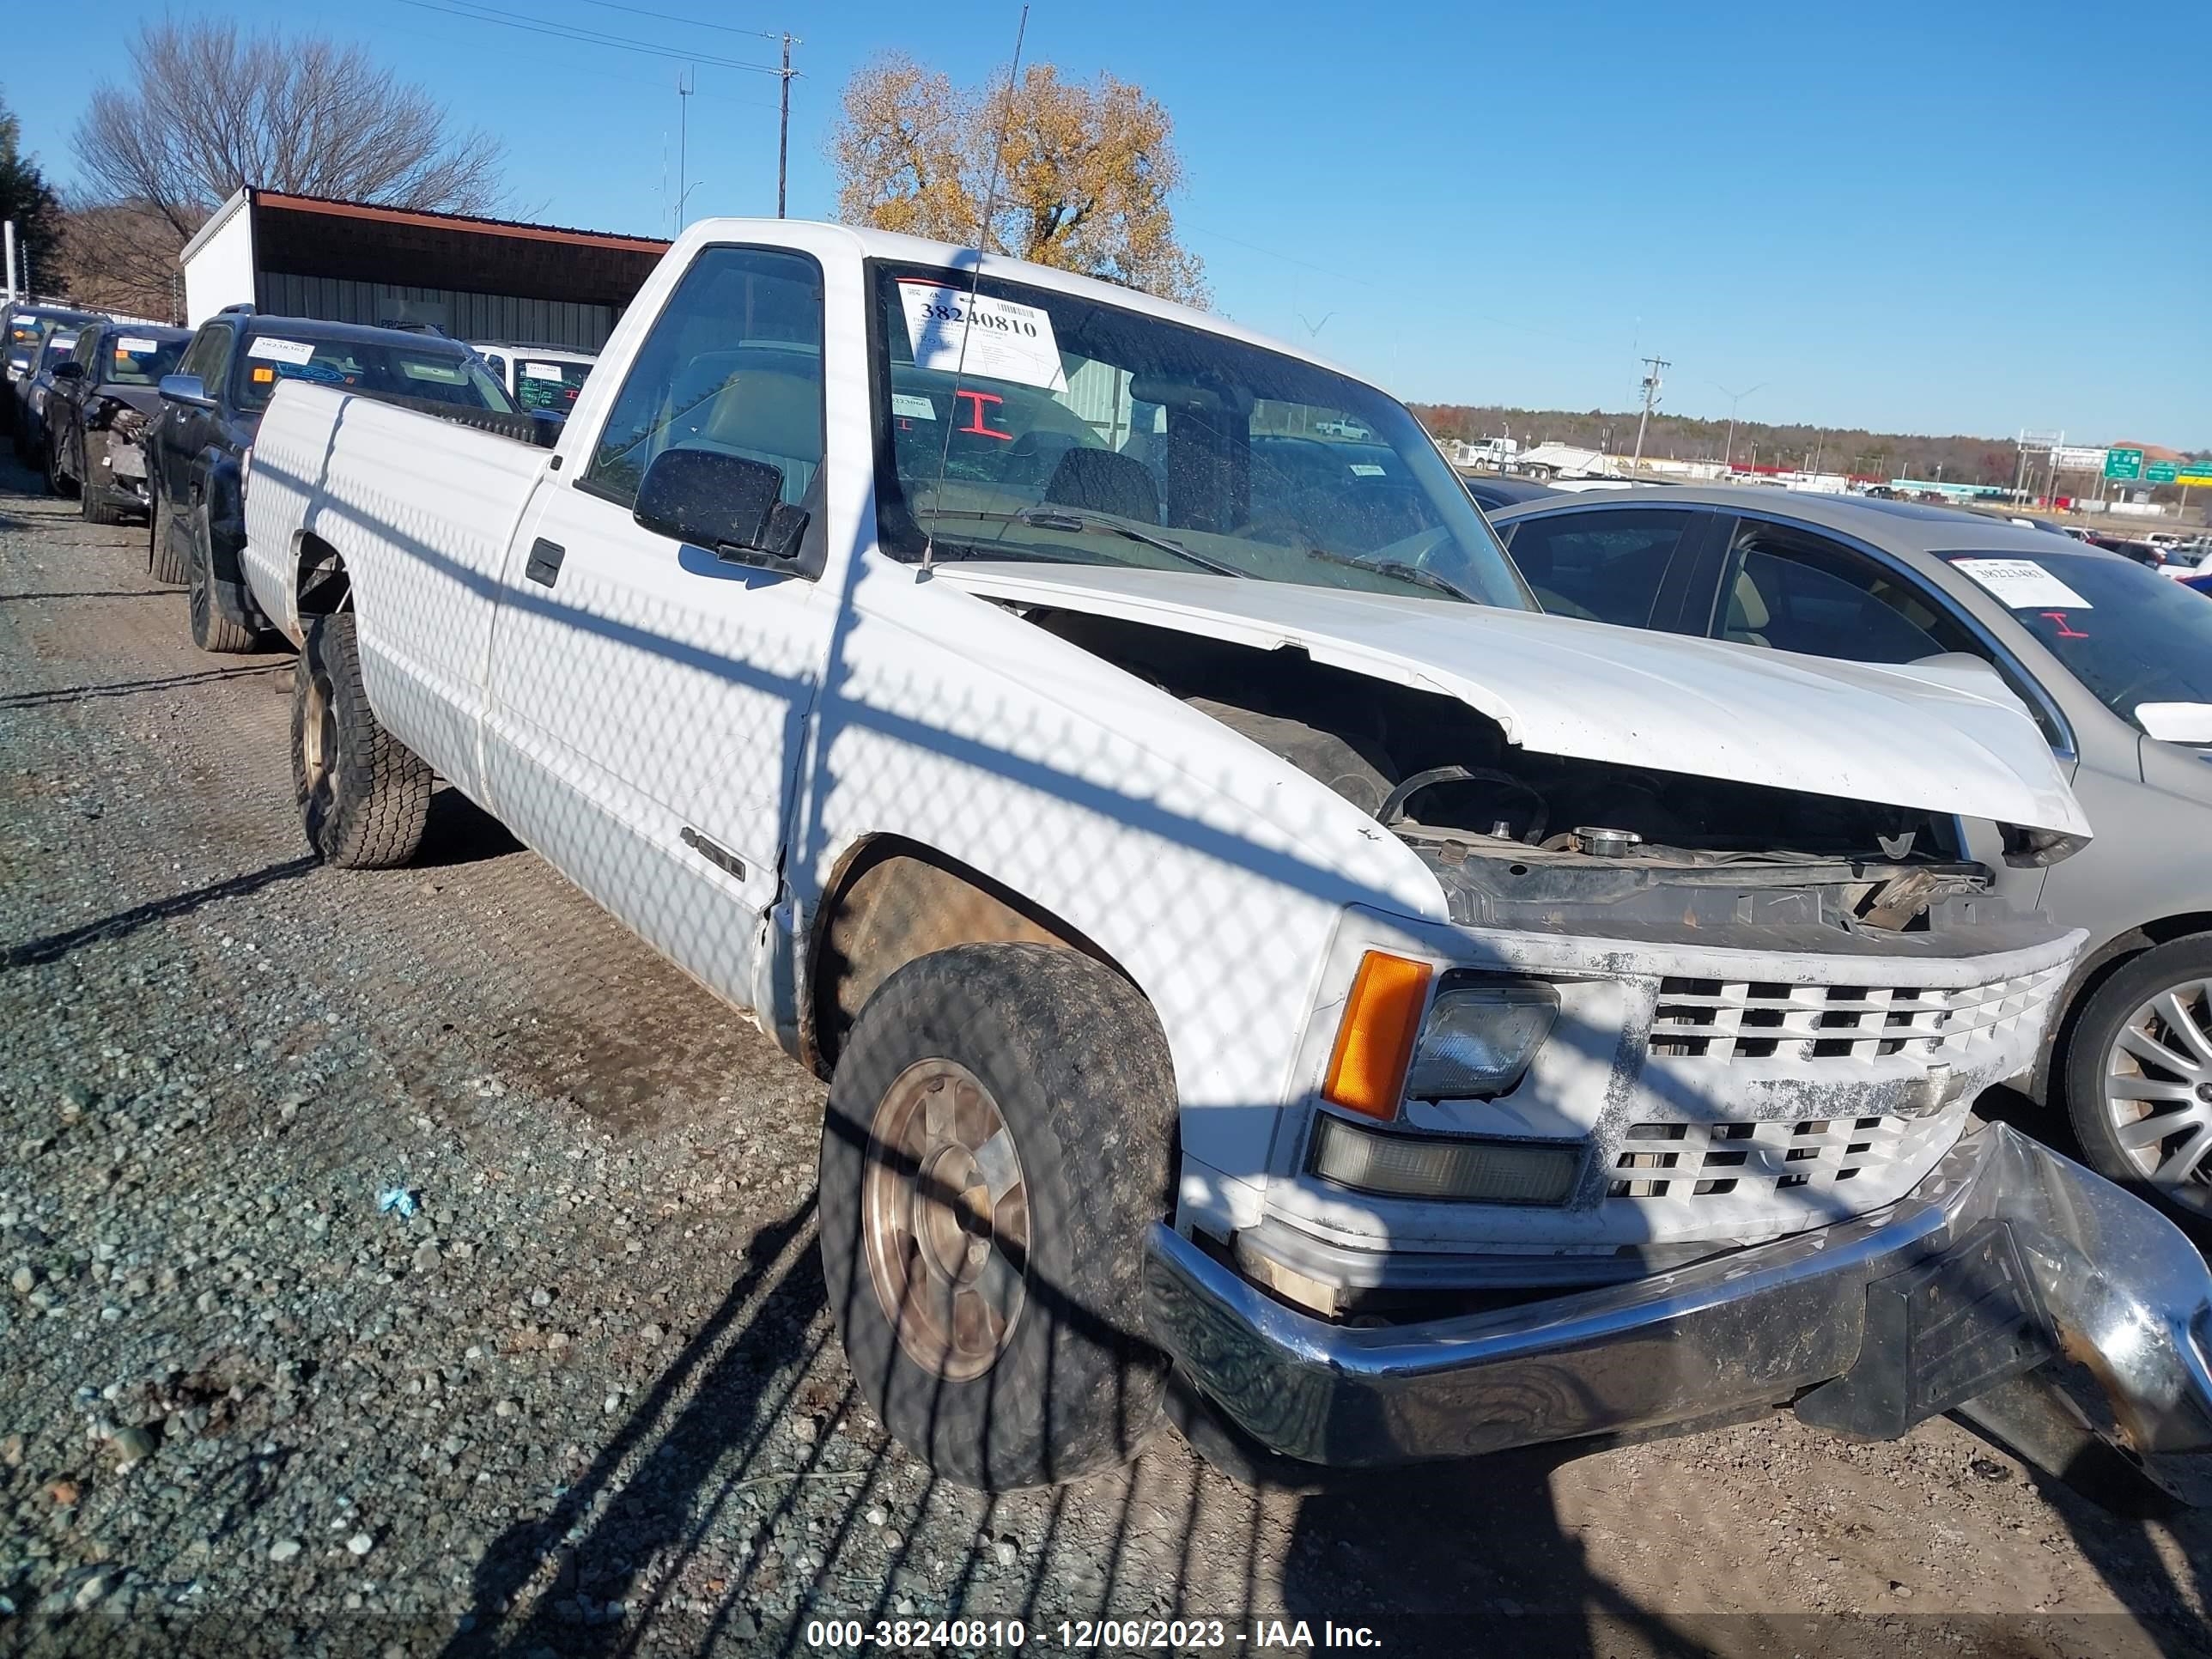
(733, 363)
(1795, 592)
(208, 356)
(1605, 565)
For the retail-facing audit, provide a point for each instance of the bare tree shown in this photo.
(1084, 171)
(121, 257)
(207, 109)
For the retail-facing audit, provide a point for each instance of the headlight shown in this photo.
(1465, 1167)
(1479, 1039)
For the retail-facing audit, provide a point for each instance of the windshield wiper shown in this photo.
(1054, 518)
(1397, 569)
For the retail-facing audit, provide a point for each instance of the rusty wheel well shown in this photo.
(893, 901)
(321, 577)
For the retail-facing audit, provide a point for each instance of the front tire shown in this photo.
(998, 1141)
(364, 797)
(212, 631)
(2139, 1077)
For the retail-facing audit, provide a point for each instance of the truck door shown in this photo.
(648, 700)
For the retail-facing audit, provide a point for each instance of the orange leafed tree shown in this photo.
(1084, 170)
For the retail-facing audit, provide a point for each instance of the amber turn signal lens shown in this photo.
(1367, 1073)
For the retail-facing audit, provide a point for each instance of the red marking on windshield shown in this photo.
(977, 425)
(2066, 631)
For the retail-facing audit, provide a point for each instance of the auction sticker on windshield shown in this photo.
(2022, 585)
(1004, 340)
(130, 345)
(280, 352)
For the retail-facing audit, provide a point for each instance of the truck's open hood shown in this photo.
(1937, 736)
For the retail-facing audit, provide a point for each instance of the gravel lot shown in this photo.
(584, 1400)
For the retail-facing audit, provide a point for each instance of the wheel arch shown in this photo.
(2098, 965)
(891, 900)
(320, 580)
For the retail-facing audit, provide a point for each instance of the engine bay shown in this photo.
(1527, 838)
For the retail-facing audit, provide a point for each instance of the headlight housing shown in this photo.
(1480, 1038)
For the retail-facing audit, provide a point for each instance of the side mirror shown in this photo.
(2188, 723)
(185, 389)
(69, 369)
(19, 363)
(725, 503)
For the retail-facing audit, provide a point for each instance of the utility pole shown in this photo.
(1728, 455)
(1652, 365)
(783, 124)
(8, 230)
(683, 139)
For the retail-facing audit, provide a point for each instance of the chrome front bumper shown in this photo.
(2007, 1261)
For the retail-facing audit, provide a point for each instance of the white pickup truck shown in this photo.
(1259, 964)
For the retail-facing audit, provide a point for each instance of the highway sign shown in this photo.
(2193, 472)
(2124, 463)
(2077, 458)
(2160, 472)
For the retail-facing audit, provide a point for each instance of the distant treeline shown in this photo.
(1680, 437)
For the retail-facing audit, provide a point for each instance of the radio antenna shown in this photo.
(974, 285)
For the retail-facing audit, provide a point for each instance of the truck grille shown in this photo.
(1746, 1019)
(1702, 1160)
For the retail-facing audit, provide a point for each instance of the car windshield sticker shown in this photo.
(1365, 470)
(279, 351)
(23, 321)
(913, 407)
(1005, 341)
(542, 372)
(445, 374)
(130, 345)
(264, 376)
(2022, 585)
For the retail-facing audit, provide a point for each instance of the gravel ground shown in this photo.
(584, 1400)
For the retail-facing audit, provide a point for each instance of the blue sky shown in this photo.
(1952, 217)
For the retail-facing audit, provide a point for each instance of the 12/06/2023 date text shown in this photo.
(1117, 1635)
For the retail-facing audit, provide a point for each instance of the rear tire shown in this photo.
(58, 483)
(364, 796)
(2142, 1122)
(212, 631)
(997, 1142)
(163, 562)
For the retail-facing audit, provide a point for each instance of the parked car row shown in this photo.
(1266, 970)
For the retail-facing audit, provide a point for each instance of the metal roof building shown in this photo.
(355, 262)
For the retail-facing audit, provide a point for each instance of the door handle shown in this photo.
(544, 566)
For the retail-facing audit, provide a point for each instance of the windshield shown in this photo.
(1085, 433)
(2127, 633)
(57, 347)
(548, 382)
(140, 359)
(444, 375)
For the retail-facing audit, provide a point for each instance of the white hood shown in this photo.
(1939, 737)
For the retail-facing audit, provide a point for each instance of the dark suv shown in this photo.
(212, 408)
(97, 413)
(25, 333)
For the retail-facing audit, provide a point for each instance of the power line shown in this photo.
(476, 14)
(689, 22)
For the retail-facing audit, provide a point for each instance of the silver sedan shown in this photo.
(2113, 659)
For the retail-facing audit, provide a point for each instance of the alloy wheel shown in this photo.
(2157, 1092)
(946, 1220)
